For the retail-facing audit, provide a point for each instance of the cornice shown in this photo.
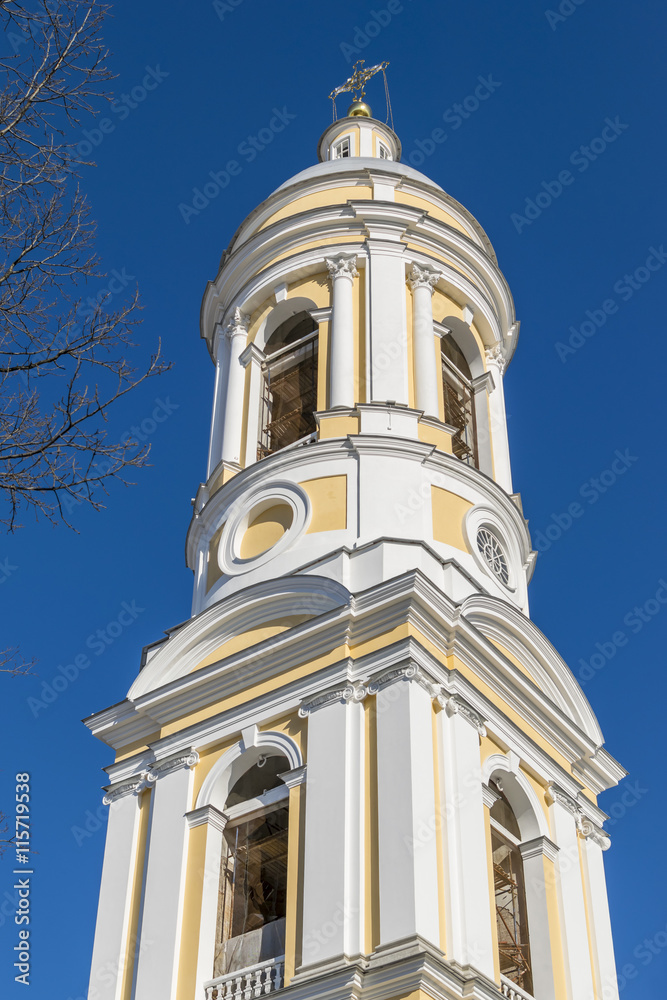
(283, 238)
(540, 847)
(420, 603)
(276, 465)
(206, 816)
(458, 706)
(161, 768)
(295, 777)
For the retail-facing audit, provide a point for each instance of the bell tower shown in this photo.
(359, 769)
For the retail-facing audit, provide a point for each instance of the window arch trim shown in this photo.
(223, 774)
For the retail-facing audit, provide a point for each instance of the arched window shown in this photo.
(459, 401)
(510, 894)
(289, 397)
(253, 875)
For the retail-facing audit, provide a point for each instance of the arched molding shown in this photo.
(285, 310)
(463, 336)
(520, 794)
(239, 613)
(240, 758)
(499, 621)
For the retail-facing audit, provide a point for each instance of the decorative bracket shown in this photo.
(457, 706)
(349, 693)
(159, 769)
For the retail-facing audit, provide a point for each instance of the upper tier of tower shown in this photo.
(360, 328)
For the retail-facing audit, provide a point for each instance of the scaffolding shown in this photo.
(460, 412)
(513, 946)
(289, 398)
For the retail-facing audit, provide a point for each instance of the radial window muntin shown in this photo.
(493, 554)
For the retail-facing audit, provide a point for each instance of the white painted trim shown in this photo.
(220, 778)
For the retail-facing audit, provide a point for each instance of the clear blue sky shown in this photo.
(558, 84)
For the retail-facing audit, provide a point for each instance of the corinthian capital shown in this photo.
(423, 277)
(238, 324)
(342, 266)
(495, 357)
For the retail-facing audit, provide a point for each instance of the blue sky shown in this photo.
(579, 275)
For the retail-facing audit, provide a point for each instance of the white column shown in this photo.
(342, 271)
(408, 866)
(253, 357)
(237, 334)
(387, 335)
(221, 353)
(160, 936)
(598, 910)
(469, 916)
(422, 282)
(578, 969)
(533, 853)
(113, 912)
(215, 825)
(333, 891)
(498, 420)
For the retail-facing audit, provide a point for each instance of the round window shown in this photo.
(493, 554)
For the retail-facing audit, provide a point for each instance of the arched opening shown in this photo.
(289, 396)
(253, 875)
(459, 398)
(510, 892)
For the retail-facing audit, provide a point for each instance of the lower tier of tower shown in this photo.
(373, 794)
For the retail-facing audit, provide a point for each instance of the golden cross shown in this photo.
(358, 80)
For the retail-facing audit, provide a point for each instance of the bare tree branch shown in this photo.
(63, 363)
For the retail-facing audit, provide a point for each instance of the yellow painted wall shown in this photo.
(328, 495)
(448, 513)
(410, 336)
(337, 427)
(437, 436)
(320, 199)
(371, 836)
(127, 969)
(403, 198)
(265, 529)
(195, 874)
(251, 637)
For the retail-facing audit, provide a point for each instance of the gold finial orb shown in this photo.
(359, 109)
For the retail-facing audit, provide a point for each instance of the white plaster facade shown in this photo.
(404, 676)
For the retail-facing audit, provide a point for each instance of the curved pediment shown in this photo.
(238, 622)
(523, 643)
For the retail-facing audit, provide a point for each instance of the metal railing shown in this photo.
(247, 984)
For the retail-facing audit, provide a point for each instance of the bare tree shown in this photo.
(62, 365)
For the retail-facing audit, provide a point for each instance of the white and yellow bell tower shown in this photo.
(358, 770)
